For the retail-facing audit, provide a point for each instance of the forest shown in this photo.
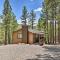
(49, 21)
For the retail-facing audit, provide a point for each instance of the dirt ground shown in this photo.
(29, 52)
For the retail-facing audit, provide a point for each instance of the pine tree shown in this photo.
(8, 21)
(32, 18)
(6, 13)
(52, 7)
(41, 22)
(24, 15)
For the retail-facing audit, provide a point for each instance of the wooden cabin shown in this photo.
(25, 35)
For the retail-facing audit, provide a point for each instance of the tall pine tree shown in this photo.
(32, 18)
(24, 15)
(8, 21)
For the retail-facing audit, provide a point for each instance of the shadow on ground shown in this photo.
(52, 48)
(54, 54)
(45, 57)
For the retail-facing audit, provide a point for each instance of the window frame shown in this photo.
(19, 35)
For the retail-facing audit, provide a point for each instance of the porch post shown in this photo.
(41, 39)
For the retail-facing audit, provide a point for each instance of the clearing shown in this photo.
(29, 52)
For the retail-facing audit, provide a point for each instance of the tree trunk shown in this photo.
(9, 37)
(6, 36)
(51, 32)
(52, 27)
(55, 32)
(59, 32)
(47, 26)
(32, 24)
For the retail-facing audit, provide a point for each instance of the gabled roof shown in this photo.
(36, 31)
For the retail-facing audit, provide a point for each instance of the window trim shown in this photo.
(19, 35)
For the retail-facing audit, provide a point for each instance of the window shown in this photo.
(19, 35)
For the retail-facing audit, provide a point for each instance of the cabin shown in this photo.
(28, 36)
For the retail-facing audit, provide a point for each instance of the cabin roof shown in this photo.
(36, 31)
(32, 31)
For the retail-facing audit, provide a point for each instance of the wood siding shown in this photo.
(15, 37)
(30, 38)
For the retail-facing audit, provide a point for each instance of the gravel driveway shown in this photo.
(29, 52)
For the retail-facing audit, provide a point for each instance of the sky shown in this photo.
(17, 6)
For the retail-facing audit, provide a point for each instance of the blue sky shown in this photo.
(17, 5)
